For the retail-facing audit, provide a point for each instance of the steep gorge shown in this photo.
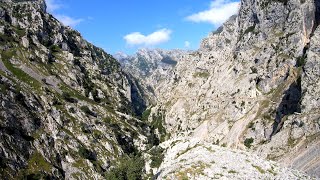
(252, 85)
(67, 110)
(70, 111)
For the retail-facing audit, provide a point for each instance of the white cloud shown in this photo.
(68, 21)
(187, 44)
(219, 12)
(52, 5)
(155, 38)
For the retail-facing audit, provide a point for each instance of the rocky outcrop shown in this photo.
(311, 75)
(146, 61)
(193, 160)
(151, 66)
(67, 109)
(252, 85)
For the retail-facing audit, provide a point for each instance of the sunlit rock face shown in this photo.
(244, 105)
(252, 85)
(67, 109)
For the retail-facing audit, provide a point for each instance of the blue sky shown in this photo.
(126, 25)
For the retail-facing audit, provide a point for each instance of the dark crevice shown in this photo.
(301, 60)
(317, 16)
(305, 49)
(289, 105)
(139, 104)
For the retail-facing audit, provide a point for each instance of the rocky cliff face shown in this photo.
(146, 61)
(252, 85)
(67, 109)
(151, 66)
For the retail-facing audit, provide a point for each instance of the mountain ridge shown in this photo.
(248, 86)
(70, 111)
(67, 109)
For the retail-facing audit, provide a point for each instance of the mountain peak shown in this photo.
(41, 4)
(69, 111)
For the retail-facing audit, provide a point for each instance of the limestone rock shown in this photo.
(49, 126)
(192, 160)
(252, 85)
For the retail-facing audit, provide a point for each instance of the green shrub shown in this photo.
(250, 29)
(232, 172)
(201, 74)
(20, 32)
(253, 70)
(97, 134)
(107, 120)
(37, 168)
(301, 61)
(86, 110)
(243, 104)
(157, 123)
(72, 110)
(87, 84)
(5, 39)
(56, 102)
(85, 128)
(55, 49)
(95, 95)
(250, 125)
(248, 142)
(146, 114)
(87, 154)
(69, 98)
(128, 168)
(262, 171)
(156, 157)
